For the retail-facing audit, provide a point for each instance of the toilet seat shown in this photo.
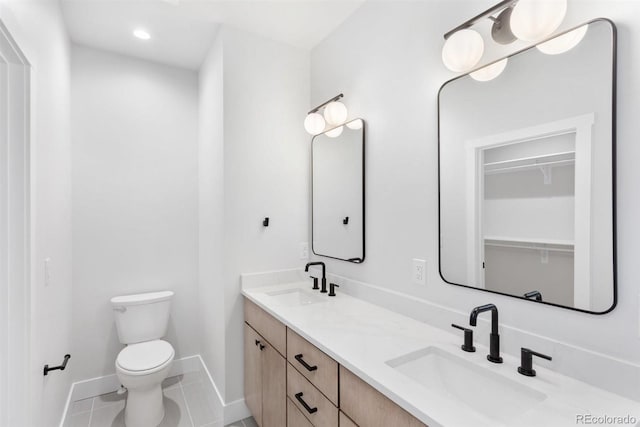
(145, 358)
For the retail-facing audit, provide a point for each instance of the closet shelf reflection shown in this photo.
(530, 163)
(555, 245)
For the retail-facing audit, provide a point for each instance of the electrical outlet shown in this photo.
(419, 271)
(47, 271)
(304, 250)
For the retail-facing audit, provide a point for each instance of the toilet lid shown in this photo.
(145, 355)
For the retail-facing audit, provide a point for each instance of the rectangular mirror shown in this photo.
(337, 163)
(527, 174)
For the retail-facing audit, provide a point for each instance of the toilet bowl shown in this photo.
(141, 368)
(141, 320)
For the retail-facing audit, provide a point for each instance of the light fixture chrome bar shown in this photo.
(335, 98)
(487, 13)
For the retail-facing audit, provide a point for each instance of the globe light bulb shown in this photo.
(563, 43)
(489, 72)
(334, 133)
(314, 123)
(533, 20)
(335, 113)
(462, 50)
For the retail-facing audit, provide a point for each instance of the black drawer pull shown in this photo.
(305, 364)
(303, 403)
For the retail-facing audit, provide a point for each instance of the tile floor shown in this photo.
(190, 401)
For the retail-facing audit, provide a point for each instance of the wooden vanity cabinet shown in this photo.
(265, 368)
(346, 421)
(367, 407)
(289, 382)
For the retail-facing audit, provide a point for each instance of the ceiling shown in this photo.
(182, 30)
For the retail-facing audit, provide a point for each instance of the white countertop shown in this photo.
(362, 337)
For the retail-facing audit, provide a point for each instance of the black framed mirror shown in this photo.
(527, 173)
(337, 192)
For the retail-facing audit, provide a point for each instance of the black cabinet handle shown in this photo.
(261, 347)
(305, 364)
(257, 342)
(303, 403)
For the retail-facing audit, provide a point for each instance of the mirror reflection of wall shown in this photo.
(526, 176)
(338, 193)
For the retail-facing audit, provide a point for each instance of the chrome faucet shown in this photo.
(324, 276)
(494, 337)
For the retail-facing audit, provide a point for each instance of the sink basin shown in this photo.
(295, 296)
(486, 393)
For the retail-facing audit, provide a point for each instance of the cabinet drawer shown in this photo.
(368, 407)
(266, 325)
(321, 370)
(295, 417)
(346, 421)
(321, 412)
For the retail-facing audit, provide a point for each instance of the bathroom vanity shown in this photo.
(313, 360)
(289, 381)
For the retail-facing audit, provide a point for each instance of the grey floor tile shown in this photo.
(236, 424)
(192, 378)
(109, 399)
(108, 416)
(250, 422)
(78, 420)
(175, 409)
(202, 410)
(79, 406)
(171, 382)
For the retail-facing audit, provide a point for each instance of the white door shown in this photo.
(14, 233)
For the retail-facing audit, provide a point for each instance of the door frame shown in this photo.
(15, 232)
(582, 127)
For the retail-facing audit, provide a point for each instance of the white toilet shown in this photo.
(141, 320)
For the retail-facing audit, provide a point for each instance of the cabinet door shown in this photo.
(274, 388)
(368, 407)
(253, 373)
(295, 417)
(345, 421)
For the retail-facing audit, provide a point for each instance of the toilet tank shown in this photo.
(142, 317)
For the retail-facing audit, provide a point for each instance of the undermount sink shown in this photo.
(295, 296)
(488, 394)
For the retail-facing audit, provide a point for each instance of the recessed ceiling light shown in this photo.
(142, 34)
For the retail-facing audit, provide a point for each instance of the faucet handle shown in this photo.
(315, 283)
(526, 361)
(468, 338)
(332, 289)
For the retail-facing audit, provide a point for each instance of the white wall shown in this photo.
(266, 162)
(135, 224)
(211, 214)
(386, 60)
(38, 28)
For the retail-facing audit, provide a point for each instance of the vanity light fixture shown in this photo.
(335, 132)
(141, 34)
(335, 113)
(489, 72)
(528, 20)
(563, 43)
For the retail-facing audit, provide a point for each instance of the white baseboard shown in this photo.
(109, 383)
(233, 411)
